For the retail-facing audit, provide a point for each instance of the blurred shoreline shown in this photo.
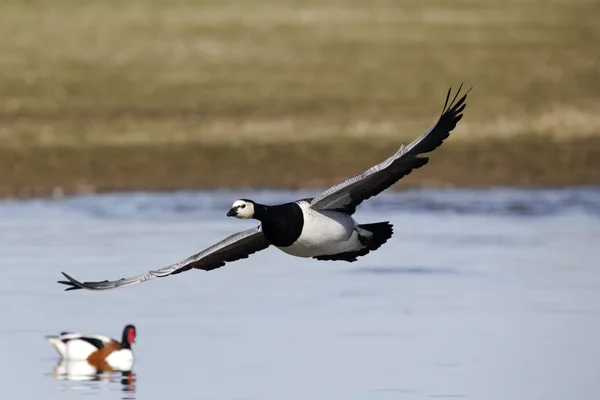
(518, 162)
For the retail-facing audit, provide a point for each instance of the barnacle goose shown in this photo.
(321, 227)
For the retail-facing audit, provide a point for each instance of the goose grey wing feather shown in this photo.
(234, 247)
(349, 193)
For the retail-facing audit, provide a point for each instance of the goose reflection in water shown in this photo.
(82, 371)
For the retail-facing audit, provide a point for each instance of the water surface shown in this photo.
(489, 294)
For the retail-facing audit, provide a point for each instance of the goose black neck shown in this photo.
(261, 212)
(281, 224)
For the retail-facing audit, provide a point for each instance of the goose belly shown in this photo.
(324, 233)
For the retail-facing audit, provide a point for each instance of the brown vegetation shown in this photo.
(164, 94)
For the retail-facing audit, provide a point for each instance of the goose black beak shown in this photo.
(232, 212)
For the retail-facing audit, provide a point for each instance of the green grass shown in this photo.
(153, 75)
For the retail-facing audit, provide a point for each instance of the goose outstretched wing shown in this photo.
(348, 194)
(235, 247)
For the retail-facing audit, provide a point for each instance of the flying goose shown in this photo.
(101, 352)
(321, 227)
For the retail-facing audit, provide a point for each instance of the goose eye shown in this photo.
(243, 206)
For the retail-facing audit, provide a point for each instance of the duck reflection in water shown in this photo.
(83, 371)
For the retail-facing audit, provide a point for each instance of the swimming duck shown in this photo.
(101, 352)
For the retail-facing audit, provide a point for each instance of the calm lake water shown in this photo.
(490, 294)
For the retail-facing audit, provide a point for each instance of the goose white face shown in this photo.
(242, 209)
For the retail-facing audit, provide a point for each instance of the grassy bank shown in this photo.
(144, 94)
(67, 170)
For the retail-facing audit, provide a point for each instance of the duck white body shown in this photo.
(121, 360)
(75, 346)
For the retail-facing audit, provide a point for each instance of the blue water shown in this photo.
(487, 294)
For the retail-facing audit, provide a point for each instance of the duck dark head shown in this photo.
(129, 334)
(242, 209)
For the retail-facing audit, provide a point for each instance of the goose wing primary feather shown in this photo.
(235, 247)
(348, 194)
